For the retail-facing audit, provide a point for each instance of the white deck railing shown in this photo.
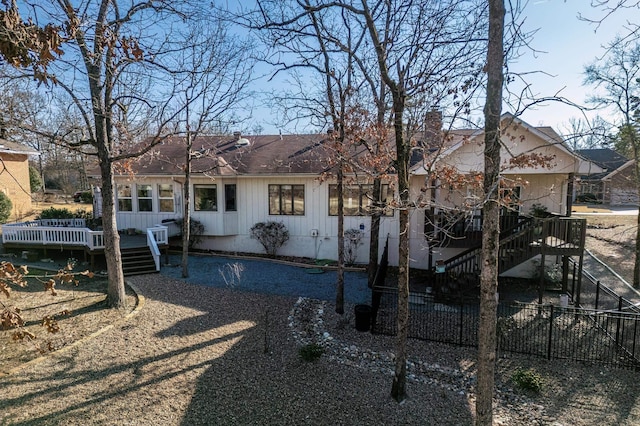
(159, 234)
(73, 232)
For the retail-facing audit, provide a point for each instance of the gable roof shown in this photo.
(9, 147)
(606, 158)
(229, 155)
(546, 133)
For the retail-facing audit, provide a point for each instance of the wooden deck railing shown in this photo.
(69, 232)
(553, 236)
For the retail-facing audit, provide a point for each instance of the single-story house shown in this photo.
(14, 176)
(615, 185)
(238, 181)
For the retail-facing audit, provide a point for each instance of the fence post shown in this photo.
(461, 321)
(597, 293)
(573, 283)
(550, 331)
(619, 319)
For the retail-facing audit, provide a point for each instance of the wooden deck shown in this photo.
(72, 235)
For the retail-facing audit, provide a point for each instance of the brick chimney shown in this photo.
(433, 128)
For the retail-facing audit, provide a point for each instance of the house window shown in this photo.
(358, 199)
(286, 200)
(125, 203)
(230, 198)
(165, 198)
(145, 198)
(205, 198)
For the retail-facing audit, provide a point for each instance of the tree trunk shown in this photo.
(491, 216)
(398, 388)
(115, 287)
(340, 284)
(374, 242)
(186, 219)
(636, 266)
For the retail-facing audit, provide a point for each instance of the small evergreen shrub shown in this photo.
(5, 207)
(528, 380)
(311, 352)
(55, 213)
(196, 231)
(35, 181)
(86, 197)
(272, 235)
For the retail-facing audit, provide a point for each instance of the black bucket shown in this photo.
(363, 317)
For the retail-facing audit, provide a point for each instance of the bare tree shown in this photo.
(491, 213)
(618, 75)
(412, 52)
(113, 57)
(212, 77)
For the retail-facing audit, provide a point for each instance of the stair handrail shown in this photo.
(550, 227)
(153, 246)
(504, 236)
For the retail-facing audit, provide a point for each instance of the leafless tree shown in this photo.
(412, 52)
(618, 75)
(114, 72)
(491, 212)
(211, 79)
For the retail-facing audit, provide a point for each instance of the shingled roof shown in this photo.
(604, 157)
(241, 155)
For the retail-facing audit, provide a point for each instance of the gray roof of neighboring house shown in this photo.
(16, 148)
(606, 158)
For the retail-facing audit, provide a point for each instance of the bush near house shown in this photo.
(272, 235)
(57, 213)
(196, 231)
(5, 207)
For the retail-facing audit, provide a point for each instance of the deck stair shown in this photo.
(137, 261)
(528, 238)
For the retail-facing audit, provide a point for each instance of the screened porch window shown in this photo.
(125, 201)
(145, 198)
(165, 198)
(286, 200)
(358, 199)
(205, 198)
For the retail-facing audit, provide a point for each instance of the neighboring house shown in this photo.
(615, 185)
(14, 176)
(238, 181)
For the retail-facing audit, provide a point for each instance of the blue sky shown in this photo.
(564, 45)
(567, 45)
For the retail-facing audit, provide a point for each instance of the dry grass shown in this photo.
(80, 310)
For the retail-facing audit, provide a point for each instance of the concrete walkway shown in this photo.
(599, 271)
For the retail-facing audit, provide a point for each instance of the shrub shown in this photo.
(272, 235)
(85, 197)
(196, 231)
(311, 352)
(54, 213)
(352, 240)
(587, 198)
(35, 181)
(528, 380)
(5, 207)
(539, 210)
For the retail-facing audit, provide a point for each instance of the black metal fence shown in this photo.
(602, 337)
(589, 292)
